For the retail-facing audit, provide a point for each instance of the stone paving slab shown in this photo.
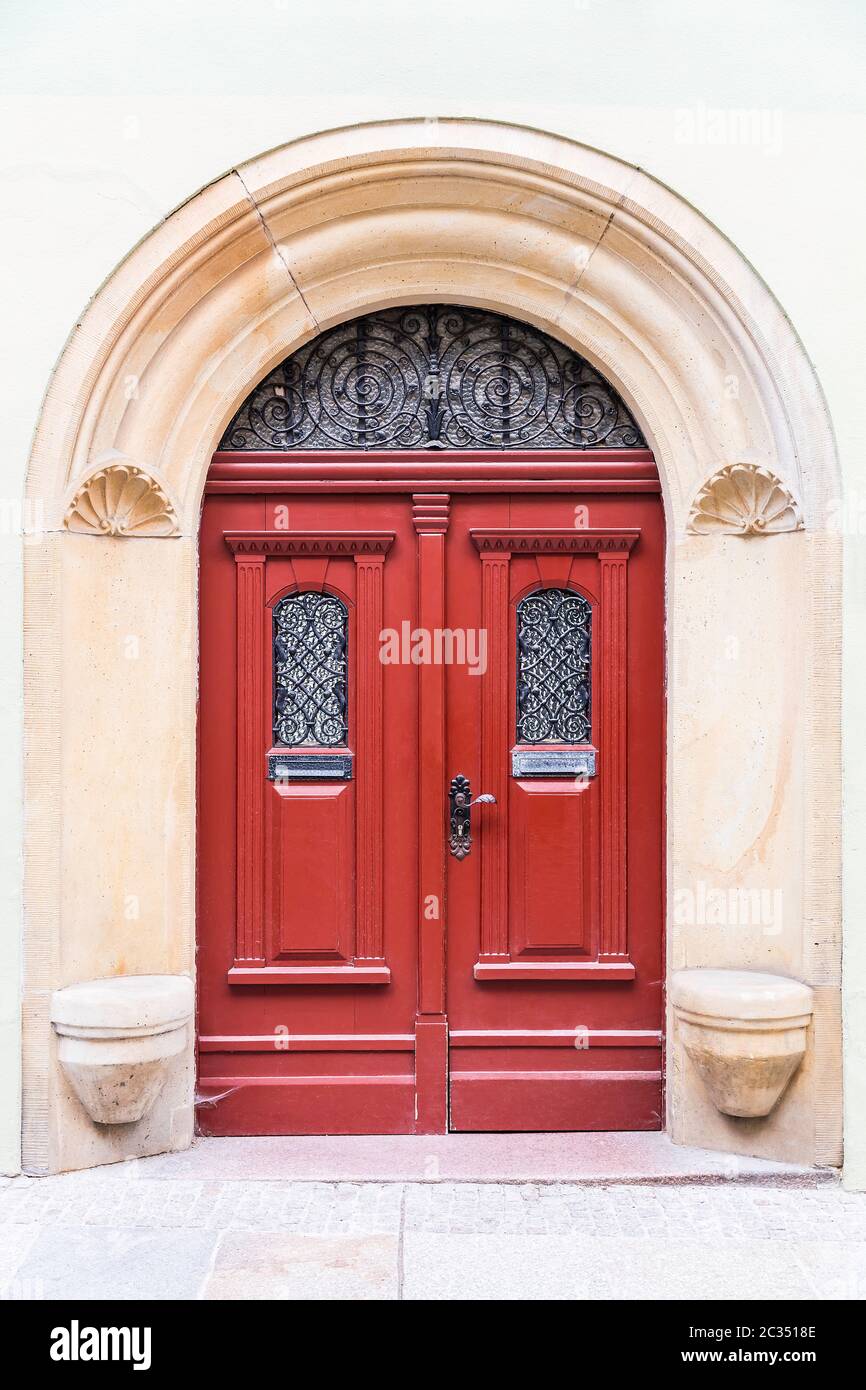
(135, 1231)
(667, 1214)
(277, 1265)
(533, 1267)
(585, 1158)
(350, 1209)
(119, 1263)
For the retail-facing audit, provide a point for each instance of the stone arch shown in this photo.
(585, 247)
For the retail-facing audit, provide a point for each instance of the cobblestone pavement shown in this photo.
(116, 1232)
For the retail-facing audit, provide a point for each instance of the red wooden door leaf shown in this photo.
(354, 976)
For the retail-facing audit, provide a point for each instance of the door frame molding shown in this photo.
(586, 248)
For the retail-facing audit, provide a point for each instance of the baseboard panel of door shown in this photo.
(306, 1105)
(547, 1101)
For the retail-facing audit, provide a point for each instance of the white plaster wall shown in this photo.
(115, 112)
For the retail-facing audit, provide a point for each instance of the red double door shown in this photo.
(380, 952)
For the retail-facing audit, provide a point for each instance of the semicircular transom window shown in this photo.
(433, 377)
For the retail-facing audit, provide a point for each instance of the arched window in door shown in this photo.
(311, 639)
(554, 667)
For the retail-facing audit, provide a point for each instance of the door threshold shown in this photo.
(587, 1158)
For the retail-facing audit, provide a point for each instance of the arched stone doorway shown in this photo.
(600, 256)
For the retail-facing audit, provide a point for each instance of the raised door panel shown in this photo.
(313, 871)
(554, 871)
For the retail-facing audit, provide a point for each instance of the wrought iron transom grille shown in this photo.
(311, 638)
(554, 667)
(433, 377)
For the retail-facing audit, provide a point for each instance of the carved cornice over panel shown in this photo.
(743, 499)
(554, 542)
(312, 543)
(121, 500)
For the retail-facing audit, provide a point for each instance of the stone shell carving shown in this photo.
(743, 499)
(121, 500)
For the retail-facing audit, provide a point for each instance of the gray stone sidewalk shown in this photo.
(142, 1230)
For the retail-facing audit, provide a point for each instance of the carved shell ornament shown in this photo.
(121, 500)
(743, 499)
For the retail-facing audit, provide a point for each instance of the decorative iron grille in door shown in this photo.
(433, 377)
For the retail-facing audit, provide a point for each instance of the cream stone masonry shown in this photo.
(601, 256)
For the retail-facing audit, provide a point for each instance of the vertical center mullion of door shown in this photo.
(430, 513)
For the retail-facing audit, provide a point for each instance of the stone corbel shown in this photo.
(745, 1032)
(743, 499)
(117, 1038)
(121, 499)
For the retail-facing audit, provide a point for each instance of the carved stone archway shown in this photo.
(603, 258)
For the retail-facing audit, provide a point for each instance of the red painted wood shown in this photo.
(613, 752)
(354, 975)
(381, 1104)
(430, 516)
(611, 470)
(550, 814)
(485, 482)
(310, 1042)
(553, 970)
(431, 1074)
(542, 964)
(333, 867)
(577, 953)
(316, 543)
(555, 1100)
(496, 703)
(617, 464)
(313, 842)
(249, 946)
(552, 540)
(369, 937)
(554, 1037)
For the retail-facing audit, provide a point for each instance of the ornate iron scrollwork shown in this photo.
(554, 667)
(433, 377)
(311, 635)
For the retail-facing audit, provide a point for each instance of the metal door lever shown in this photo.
(460, 798)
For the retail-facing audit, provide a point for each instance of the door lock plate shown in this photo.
(460, 799)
